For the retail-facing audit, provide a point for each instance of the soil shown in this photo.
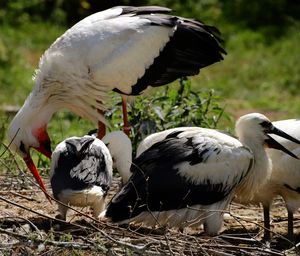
(28, 227)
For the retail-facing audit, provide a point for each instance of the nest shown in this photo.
(28, 227)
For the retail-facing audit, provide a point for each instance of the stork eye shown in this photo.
(265, 124)
(22, 147)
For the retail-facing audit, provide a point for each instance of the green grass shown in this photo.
(258, 74)
(20, 50)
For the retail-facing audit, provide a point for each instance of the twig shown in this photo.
(30, 222)
(41, 214)
(46, 242)
(23, 196)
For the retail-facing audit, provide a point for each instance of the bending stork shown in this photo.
(123, 49)
(120, 148)
(188, 176)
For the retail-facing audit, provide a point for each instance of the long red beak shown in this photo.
(36, 175)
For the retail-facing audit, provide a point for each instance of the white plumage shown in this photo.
(125, 49)
(81, 169)
(81, 174)
(187, 176)
(285, 176)
(120, 148)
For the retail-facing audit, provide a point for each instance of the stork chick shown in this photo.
(188, 176)
(81, 174)
(120, 148)
(285, 177)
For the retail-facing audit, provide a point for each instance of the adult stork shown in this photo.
(285, 177)
(188, 176)
(81, 174)
(123, 49)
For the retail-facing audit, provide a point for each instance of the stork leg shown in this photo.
(267, 234)
(213, 223)
(101, 127)
(290, 225)
(126, 127)
(98, 207)
(62, 212)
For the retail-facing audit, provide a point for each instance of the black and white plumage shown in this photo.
(124, 49)
(284, 178)
(81, 173)
(188, 176)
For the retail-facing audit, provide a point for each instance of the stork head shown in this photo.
(24, 137)
(257, 127)
(120, 148)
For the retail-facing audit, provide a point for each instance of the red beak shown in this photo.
(36, 175)
(44, 151)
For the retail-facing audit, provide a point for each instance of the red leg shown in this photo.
(101, 127)
(126, 127)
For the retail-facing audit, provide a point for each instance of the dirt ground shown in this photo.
(28, 227)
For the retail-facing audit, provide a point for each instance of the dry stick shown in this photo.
(41, 214)
(22, 196)
(238, 219)
(290, 251)
(47, 242)
(138, 249)
(228, 246)
(244, 248)
(30, 222)
(52, 198)
(23, 192)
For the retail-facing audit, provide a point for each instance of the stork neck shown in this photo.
(259, 173)
(35, 112)
(258, 150)
(123, 163)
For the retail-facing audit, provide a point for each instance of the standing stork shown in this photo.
(123, 49)
(81, 174)
(188, 176)
(285, 177)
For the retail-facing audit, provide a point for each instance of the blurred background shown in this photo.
(261, 71)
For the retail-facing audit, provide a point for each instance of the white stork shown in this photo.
(123, 49)
(81, 169)
(189, 175)
(81, 174)
(285, 177)
(120, 148)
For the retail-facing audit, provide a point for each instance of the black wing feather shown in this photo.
(80, 166)
(193, 46)
(156, 185)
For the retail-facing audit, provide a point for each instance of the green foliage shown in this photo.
(260, 72)
(170, 107)
(273, 14)
(257, 13)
